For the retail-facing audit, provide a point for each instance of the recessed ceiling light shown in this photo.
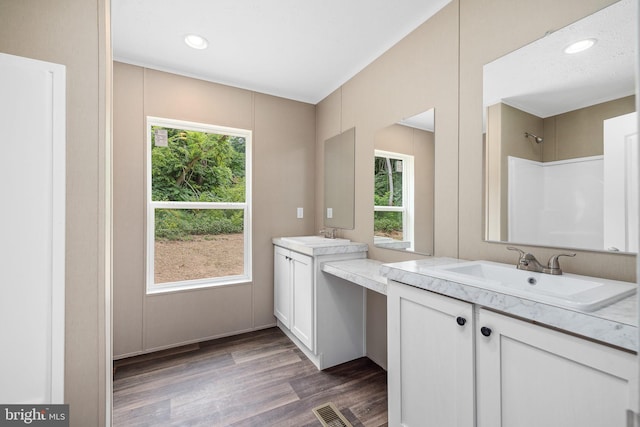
(195, 41)
(580, 46)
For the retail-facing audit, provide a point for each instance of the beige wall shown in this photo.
(489, 30)
(74, 33)
(283, 179)
(508, 140)
(579, 133)
(419, 73)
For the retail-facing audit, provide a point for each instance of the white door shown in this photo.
(430, 346)
(282, 285)
(303, 306)
(531, 376)
(32, 119)
(621, 183)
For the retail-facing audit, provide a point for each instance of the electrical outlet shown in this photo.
(300, 213)
(329, 212)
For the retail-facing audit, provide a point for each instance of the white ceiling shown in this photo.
(296, 49)
(425, 121)
(542, 80)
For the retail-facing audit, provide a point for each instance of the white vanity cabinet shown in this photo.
(532, 376)
(516, 373)
(430, 358)
(322, 314)
(293, 293)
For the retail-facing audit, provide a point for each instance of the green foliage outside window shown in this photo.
(197, 167)
(182, 224)
(388, 182)
(387, 192)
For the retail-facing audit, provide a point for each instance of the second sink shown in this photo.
(567, 290)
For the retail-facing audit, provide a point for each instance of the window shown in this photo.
(198, 205)
(393, 198)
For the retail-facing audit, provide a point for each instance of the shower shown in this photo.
(537, 139)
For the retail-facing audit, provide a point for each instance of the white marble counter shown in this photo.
(616, 324)
(339, 246)
(364, 272)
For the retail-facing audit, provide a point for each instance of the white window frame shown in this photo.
(407, 208)
(153, 288)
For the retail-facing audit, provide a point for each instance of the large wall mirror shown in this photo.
(561, 137)
(339, 180)
(404, 185)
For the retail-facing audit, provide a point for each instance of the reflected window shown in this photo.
(393, 199)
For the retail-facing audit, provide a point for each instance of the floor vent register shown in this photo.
(329, 416)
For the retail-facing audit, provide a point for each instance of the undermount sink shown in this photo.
(567, 290)
(315, 241)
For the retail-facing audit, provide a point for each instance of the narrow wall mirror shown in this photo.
(404, 184)
(561, 137)
(339, 180)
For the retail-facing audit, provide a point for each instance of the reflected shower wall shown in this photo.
(556, 203)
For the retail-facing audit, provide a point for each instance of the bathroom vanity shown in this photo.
(322, 314)
(465, 355)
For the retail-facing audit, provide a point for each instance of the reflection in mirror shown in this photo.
(404, 183)
(339, 180)
(561, 138)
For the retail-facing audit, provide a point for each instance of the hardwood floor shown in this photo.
(255, 379)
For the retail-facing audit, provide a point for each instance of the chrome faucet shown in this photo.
(529, 262)
(328, 233)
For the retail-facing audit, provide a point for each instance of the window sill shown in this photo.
(196, 285)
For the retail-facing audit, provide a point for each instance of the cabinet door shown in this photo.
(282, 285)
(430, 372)
(303, 313)
(532, 376)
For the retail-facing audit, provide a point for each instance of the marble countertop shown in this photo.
(364, 272)
(615, 324)
(340, 246)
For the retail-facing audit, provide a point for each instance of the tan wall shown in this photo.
(283, 179)
(419, 73)
(514, 123)
(580, 133)
(511, 124)
(489, 30)
(74, 33)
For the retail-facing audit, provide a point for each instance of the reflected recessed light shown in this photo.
(580, 46)
(195, 41)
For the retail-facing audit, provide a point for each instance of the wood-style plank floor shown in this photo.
(255, 379)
